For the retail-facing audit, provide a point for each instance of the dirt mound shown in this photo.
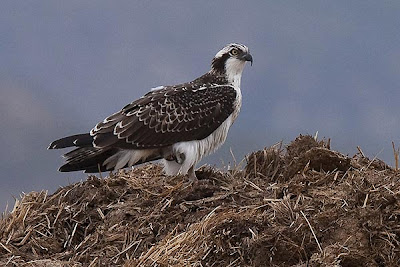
(305, 205)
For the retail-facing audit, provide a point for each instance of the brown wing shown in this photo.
(167, 116)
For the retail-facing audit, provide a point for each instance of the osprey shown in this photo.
(178, 124)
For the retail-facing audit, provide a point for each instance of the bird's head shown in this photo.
(230, 61)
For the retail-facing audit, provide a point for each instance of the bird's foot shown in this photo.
(192, 175)
(180, 158)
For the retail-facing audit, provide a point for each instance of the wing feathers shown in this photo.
(104, 140)
(167, 116)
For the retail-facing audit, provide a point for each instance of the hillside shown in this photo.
(302, 205)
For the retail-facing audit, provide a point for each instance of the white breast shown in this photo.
(195, 150)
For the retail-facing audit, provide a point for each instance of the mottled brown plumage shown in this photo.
(166, 116)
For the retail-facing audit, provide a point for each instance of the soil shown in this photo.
(300, 205)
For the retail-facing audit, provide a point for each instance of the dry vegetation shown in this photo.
(305, 205)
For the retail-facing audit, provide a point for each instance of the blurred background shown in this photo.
(326, 66)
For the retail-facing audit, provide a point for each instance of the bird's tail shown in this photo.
(85, 156)
(94, 159)
(88, 159)
(79, 140)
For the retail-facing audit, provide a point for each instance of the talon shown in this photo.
(170, 157)
(192, 175)
(180, 158)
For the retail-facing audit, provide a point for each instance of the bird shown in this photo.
(177, 124)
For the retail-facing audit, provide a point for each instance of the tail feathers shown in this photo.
(79, 140)
(86, 158)
(93, 160)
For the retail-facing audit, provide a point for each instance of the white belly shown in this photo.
(195, 150)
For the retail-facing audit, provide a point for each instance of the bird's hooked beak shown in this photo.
(248, 57)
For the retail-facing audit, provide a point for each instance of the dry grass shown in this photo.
(303, 206)
(396, 153)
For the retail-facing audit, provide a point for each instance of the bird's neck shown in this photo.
(231, 78)
(234, 80)
(231, 74)
(233, 71)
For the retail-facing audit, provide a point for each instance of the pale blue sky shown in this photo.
(327, 66)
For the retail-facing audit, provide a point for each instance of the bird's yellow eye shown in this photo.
(234, 52)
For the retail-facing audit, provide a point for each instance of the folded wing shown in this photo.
(164, 117)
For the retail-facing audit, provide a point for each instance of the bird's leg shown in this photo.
(167, 154)
(192, 175)
(170, 157)
(180, 158)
